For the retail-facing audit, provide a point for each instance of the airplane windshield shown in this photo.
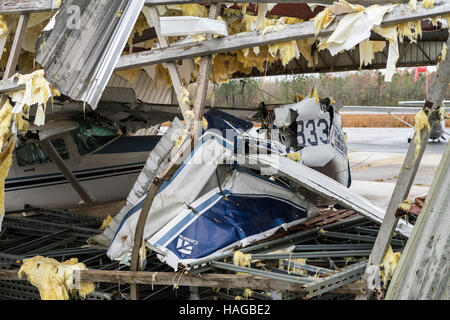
(91, 136)
(32, 153)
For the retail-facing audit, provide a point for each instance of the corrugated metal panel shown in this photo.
(423, 270)
(146, 89)
(84, 44)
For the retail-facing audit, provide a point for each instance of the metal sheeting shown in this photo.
(326, 187)
(423, 270)
(85, 39)
(145, 88)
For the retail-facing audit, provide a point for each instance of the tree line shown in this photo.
(361, 88)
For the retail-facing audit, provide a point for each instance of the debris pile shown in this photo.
(326, 255)
(211, 197)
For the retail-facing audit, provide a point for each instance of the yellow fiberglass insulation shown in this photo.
(421, 122)
(26, 63)
(247, 293)
(180, 139)
(242, 259)
(322, 20)
(204, 123)
(6, 117)
(444, 52)
(162, 75)
(31, 36)
(428, 4)
(405, 205)
(142, 255)
(388, 266)
(129, 74)
(189, 114)
(106, 222)
(248, 59)
(294, 156)
(139, 27)
(411, 30)
(221, 71)
(3, 26)
(195, 10)
(304, 47)
(184, 100)
(5, 164)
(287, 51)
(37, 89)
(413, 5)
(55, 279)
(367, 50)
(298, 97)
(314, 94)
(3, 33)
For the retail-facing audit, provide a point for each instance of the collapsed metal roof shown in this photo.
(81, 43)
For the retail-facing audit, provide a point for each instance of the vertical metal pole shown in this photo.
(171, 66)
(15, 50)
(202, 83)
(405, 179)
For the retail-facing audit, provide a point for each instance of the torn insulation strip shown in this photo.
(405, 205)
(242, 259)
(5, 164)
(55, 279)
(388, 266)
(390, 34)
(444, 52)
(185, 103)
(3, 34)
(367, 50)
(6, 117)
(428, 4)
(420, 122)
(287, 51)
(294, 156)
(129, 74)
(106, 222)
(411, 30)
(37, 91)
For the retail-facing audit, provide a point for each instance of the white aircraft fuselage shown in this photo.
(106, 169)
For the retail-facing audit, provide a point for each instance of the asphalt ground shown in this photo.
(376, 156)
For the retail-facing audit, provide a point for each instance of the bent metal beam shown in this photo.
(303, 30)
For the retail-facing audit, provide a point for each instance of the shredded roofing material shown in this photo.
(106, 222)
(5, 164)
(367, 50)
(428, 4)
(37, 91)
(421, 123)
(389, 265)
(294, 156)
